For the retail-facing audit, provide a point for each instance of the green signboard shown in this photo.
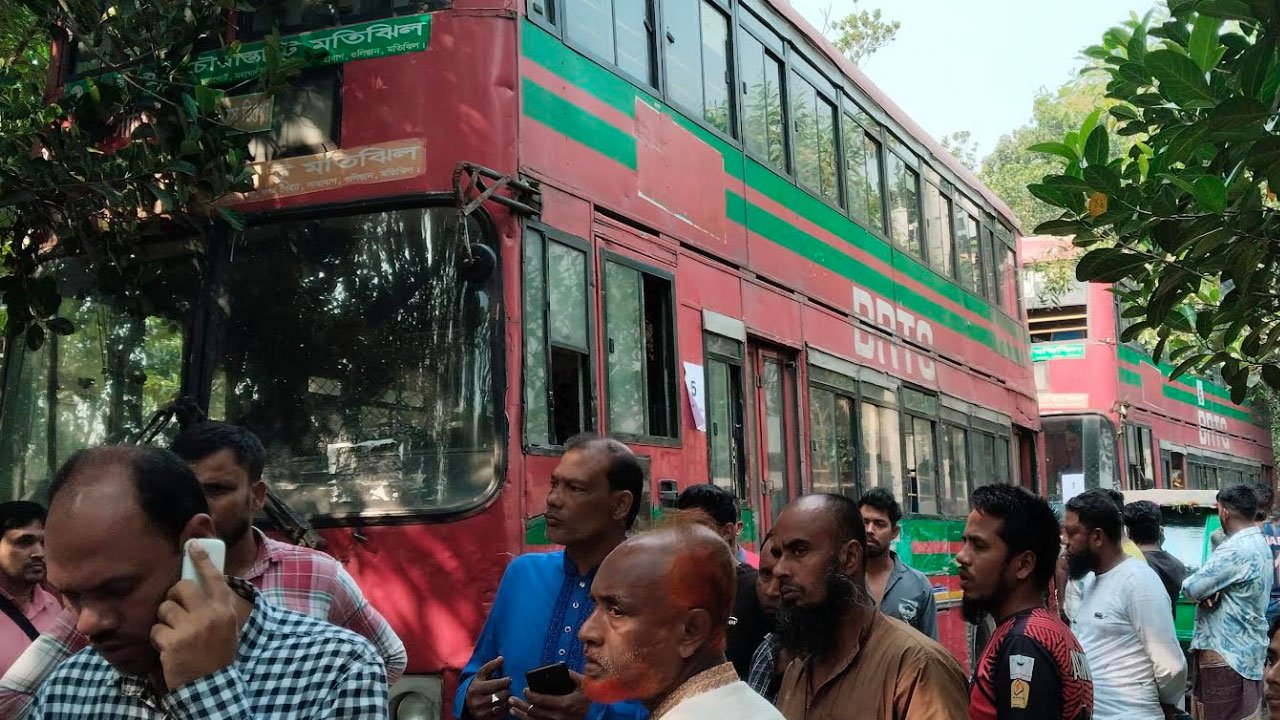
(1069, 351)
(379, 38)
(375, 39)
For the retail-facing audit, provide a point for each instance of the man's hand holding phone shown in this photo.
(196, 633)
(489, 692)
(558, 696)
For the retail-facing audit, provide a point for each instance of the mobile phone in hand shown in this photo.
(216, 549)
(550, 680)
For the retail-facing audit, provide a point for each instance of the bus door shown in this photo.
(777, 432)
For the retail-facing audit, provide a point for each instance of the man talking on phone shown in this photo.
(544, 598)
(228, 460)
(160, 647)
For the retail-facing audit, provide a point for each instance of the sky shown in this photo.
(977, 65)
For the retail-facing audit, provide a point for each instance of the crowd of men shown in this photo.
(826, 623)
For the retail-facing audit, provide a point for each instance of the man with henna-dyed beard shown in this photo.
(658, 631)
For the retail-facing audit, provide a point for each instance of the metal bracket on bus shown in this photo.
(474, 185)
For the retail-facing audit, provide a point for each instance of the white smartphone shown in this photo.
(217, 554)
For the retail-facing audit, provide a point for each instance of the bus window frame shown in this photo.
(777, 49)
(593, 409)
(696, 116)
(851, 109)
(852, 392)
(906, 414)
(747, 448)
(675, 410)
(814, 78)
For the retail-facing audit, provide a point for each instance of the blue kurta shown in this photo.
(541, 604)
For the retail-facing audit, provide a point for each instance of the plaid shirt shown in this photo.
(300, 579)
(764, 677)
(288, 667)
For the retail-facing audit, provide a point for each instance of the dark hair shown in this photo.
(1275, 625)
(1240, 499)
(1266, 499)
(715, 501)
(1143, 518)
(846, 517)
(1028, 525)
(167, 490)
(19, 514)
(1097, 511)
(1116, 497)
(878, 498)
(203, 439)
(623, 472)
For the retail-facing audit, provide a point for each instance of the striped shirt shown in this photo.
(297, 578)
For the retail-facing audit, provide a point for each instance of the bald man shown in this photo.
(657, 634)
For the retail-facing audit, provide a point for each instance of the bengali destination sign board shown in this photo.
(336, 169)
(376, 39)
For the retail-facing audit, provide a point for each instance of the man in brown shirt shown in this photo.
(855, 662)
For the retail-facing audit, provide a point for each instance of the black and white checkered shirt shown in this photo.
(764, 678)
(289, 667)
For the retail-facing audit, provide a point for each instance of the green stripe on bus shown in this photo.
(1130, 377)
(780, 231)
(573, 122)
(551, 54)
(1190, 398)
(934, 564)
(1133, 357)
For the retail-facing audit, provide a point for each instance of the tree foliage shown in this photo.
(1009, 168)
(139, 148)
(962, 147)
(1185, 220)
(861, 33)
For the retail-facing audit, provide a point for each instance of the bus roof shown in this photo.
(1173, 498)
(784, 8)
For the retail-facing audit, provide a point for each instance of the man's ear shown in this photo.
(199, 526)
(258, 496)
(695, 633)
(622, 501)
(852, 553)
(1024, 565)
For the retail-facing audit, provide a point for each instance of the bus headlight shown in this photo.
(417, 697)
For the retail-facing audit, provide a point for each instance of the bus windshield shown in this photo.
(1080, 453)
(102, 383)
(356, 351)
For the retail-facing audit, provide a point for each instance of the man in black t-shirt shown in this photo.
(1032, 668)
(1143, 520)
(749, 624)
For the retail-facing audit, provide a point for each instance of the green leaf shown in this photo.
(1237, 118)
(1055, 148)
(1061, 227)
(1211, 193)
(1068, 182)
(1138, 41)
(232, 218)
(1226, 10)
(1181, 80)
(1124, 112)
(1271, 376)
(1204, 41)
(1058, 197)
(1097, 146)
(1109, 265)
(1254, 65)
(61, 326)
(1187, 365)
(35, 338)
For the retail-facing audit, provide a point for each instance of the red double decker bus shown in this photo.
(483, 226)
(1111, 417)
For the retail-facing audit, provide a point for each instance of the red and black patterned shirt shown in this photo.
(1032, 669)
